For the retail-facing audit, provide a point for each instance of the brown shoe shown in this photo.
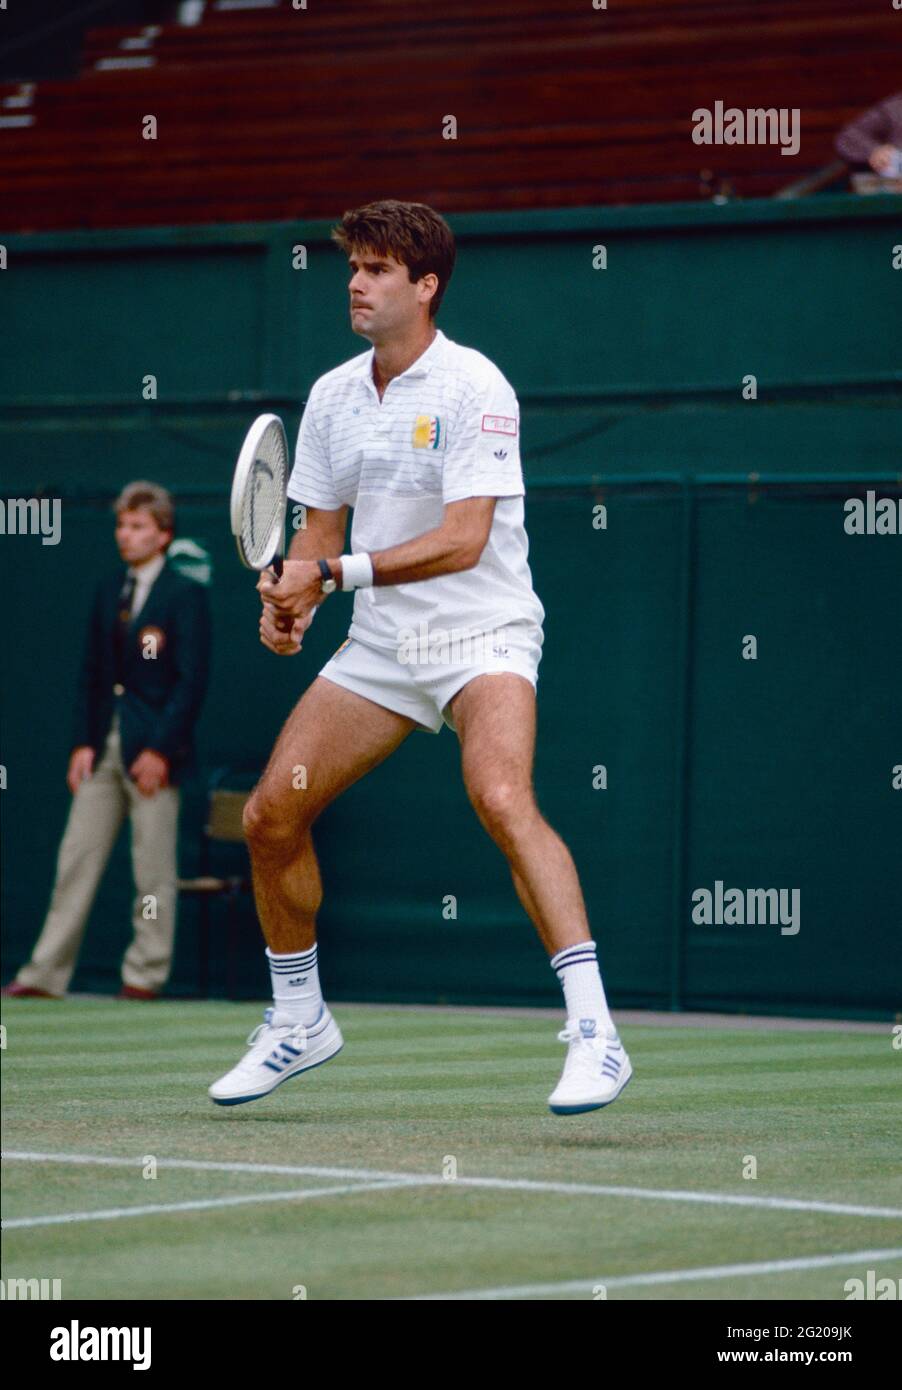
(17, 991)
(135, 992)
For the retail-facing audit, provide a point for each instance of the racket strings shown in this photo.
(261, 511)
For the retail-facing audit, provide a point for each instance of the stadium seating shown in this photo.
(279, 113)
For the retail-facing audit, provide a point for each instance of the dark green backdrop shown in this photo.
(724, 518)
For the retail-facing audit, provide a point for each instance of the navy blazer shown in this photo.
(162, 695)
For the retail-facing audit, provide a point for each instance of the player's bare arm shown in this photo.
(455, 545)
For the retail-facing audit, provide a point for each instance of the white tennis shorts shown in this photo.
(420, 679)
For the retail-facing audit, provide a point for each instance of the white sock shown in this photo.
(295, 987)
(577, 969)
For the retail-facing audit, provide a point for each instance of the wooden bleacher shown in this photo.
(282, 114)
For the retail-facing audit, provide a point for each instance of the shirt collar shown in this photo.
(421, 367)
(147, 573)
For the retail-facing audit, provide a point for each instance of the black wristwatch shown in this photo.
(328, 585)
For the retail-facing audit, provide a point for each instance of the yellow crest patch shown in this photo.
(428, 432)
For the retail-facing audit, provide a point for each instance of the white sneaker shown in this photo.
(595, 1072)
(276, 1053)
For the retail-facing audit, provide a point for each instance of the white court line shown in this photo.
(499, 1184)
(669, 1276)
(164, 1209)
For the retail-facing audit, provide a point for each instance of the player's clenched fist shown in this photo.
(299, 587)
(279, 640)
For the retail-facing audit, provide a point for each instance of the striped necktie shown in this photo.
(123, 617)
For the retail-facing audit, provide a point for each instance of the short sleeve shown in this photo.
(482, 457)
(311, 477)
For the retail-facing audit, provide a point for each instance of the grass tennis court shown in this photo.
(818, 1109)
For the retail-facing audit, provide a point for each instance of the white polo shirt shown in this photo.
(447, 428)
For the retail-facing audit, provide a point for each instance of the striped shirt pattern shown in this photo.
(446, 429)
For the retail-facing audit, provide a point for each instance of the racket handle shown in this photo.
(284, 623)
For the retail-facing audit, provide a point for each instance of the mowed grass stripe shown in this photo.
(225, 1021)
(408, 1091)
(411, 1241)
(674, 1276)
(199, 1204)
(68, 1188)
(500, 1184)
(428, 1092)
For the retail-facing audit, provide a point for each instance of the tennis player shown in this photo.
(420, 437)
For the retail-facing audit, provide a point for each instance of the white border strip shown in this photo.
(499, 1184)
(669, 1276)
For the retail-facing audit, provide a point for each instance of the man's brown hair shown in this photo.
(416, 235)
(148, 497)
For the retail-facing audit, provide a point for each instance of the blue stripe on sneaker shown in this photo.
(258, 1095)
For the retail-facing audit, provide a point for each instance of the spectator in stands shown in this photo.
(875, 139)
(142, 682)
(190, 12)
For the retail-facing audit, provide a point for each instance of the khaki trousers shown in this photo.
(98, 809)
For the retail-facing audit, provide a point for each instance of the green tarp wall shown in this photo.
(724, 518)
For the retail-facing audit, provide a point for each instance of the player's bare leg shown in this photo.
(495, 716)
(335, 736)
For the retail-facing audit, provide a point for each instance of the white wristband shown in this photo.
(356, 571)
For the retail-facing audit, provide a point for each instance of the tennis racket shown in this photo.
(259, 499)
